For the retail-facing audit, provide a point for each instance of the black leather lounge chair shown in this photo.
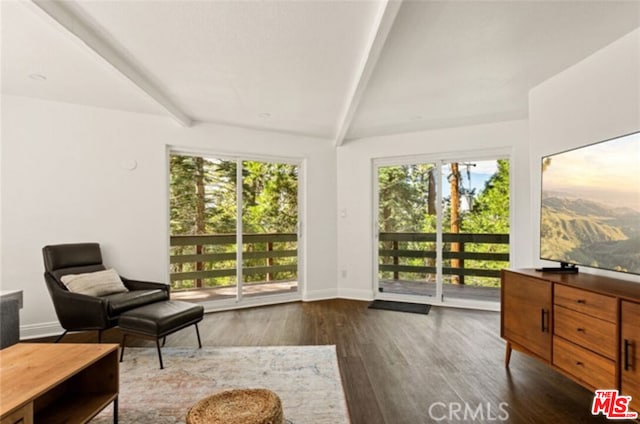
(82, 312)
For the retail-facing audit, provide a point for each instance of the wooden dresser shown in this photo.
(584, 326)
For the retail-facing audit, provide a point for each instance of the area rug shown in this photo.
(306, 378)
(416, 308)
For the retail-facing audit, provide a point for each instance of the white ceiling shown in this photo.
(32, 44)
(330, 69)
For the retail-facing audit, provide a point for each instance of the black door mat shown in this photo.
(416, 308)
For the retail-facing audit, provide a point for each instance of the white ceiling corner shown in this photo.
(92, 38)
(457, 63)
(31, 43)
(384, 22)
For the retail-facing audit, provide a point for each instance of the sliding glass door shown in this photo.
(234, 228)
(442, 229)
(475, 228)
(269, 228)
(406, 229)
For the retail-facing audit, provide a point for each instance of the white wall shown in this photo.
(594, 100)
(62, 181)
(355, 190)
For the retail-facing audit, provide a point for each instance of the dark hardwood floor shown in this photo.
(403, 368)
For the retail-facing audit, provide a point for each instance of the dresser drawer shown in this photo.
(527, 289)
(596, 305)
(594, 370)
(587, 331)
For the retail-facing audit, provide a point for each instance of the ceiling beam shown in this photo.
(98, 44)
(384, 22)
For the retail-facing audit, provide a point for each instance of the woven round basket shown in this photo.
(241, 406)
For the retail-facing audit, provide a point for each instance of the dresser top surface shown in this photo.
(623, 289)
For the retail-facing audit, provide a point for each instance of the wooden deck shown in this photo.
(264, 288)
(451, 291)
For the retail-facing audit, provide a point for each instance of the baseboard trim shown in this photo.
(325, 294)
(231, 304)
(44, 329)
(355, 294)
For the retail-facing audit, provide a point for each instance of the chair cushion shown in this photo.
(121, 302)
(100, 283)
(71, 255)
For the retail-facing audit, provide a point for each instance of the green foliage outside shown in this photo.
(203, 201)
(407, 205)
(489, 215)
(404, 198)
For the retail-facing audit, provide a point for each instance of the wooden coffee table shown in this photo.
(57, 383)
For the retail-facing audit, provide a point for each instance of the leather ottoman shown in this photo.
(158, 320)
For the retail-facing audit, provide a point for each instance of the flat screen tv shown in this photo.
(590, 206)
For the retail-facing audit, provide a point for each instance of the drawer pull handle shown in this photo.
(579, 363)
(581, 330)
(543, 321)
(581, 301)
(627, 345)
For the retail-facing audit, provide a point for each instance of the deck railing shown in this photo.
(268, 247)
(391, 258)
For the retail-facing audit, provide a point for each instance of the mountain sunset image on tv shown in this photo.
(590, 206)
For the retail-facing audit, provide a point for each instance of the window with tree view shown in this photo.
(217, 205)
(463, 259)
